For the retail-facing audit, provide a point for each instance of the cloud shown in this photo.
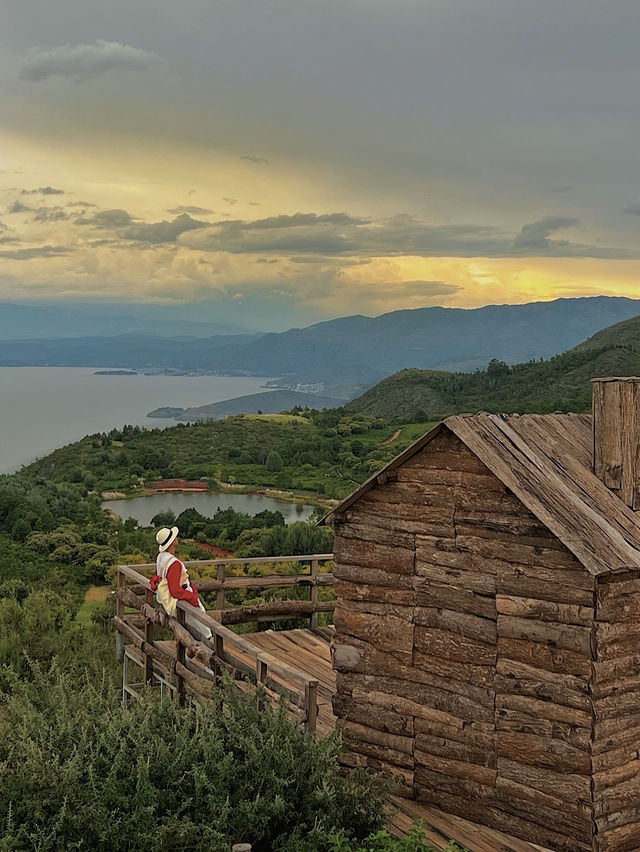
(163, 232)
(19, 207)
(534, 237)
(189, 208)
(43, 190)
(82, 62)
(341, 235)
(85, 204)
(257, 160)
(116, 218)
(51, 214)
(231, 200)
(30, 253)
(633, 210)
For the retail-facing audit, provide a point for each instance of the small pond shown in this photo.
(207, 503)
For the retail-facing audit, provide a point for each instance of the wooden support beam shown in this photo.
(220, 593)
(313, 594)
(148, 638)
(311, 705)
(120, 582)
(182, 658)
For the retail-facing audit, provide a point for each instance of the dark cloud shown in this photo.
(189, 208)
(85, 204)
(43, 190)
(6, 241)
(163, 232)
(231, 200)
(633, 210)
(51, 214)
(534, 237)
(19, 207)
(298, 219)
(82, 62)
(257, 160)
(341, 235)
(115, 218)
(30, 253)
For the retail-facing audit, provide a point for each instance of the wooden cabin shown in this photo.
(488, 622)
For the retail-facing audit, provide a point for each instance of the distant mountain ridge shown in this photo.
(426, 338)
(559, 384)
(46, 322)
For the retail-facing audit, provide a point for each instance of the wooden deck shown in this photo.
(308, 651)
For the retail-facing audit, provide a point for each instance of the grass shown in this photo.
(93, 600)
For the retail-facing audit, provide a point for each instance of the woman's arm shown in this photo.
(174, 574)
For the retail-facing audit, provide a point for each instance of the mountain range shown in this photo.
(560, 384)
(452, 339)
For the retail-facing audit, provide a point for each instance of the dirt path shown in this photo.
(393, 437)
(212, 549)
(97, 594)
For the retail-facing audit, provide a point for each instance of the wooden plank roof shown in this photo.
(545, 460)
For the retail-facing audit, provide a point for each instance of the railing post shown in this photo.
(182, 659)
(220, 592)
(314, 593)
(120, 584)
(217, 671)
(311, 704)
(261, 673)
(148, 639)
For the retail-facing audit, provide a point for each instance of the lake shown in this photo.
(206, 502)
(47, 407)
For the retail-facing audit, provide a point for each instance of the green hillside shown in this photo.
(559, 384)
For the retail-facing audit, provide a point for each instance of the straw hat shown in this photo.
(165, 537)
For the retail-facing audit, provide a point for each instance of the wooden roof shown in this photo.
(546, 461)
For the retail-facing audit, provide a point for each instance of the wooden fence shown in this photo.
(193, 663)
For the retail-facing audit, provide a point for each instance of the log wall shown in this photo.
(616, 707)
(464, 649)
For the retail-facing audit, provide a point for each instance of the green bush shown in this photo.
(81, 772)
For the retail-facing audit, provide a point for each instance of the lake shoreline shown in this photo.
(226, 488)
(144, 504)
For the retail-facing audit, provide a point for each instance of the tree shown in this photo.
(274, 461)
(166, 518)
(497, 369)
(21, 529)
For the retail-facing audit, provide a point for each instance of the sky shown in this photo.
(279, 162)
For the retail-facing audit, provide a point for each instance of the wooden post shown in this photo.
(182, 659)
(148, 638)
(261, 674)
(616, 436)
(313, 619)
(217, 671)
(311, 704)
(120, 583)
(220, 592)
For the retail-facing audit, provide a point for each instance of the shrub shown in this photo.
(79, 771)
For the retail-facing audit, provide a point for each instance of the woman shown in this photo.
(172, 582)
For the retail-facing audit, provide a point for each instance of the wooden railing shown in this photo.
(197, 664)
